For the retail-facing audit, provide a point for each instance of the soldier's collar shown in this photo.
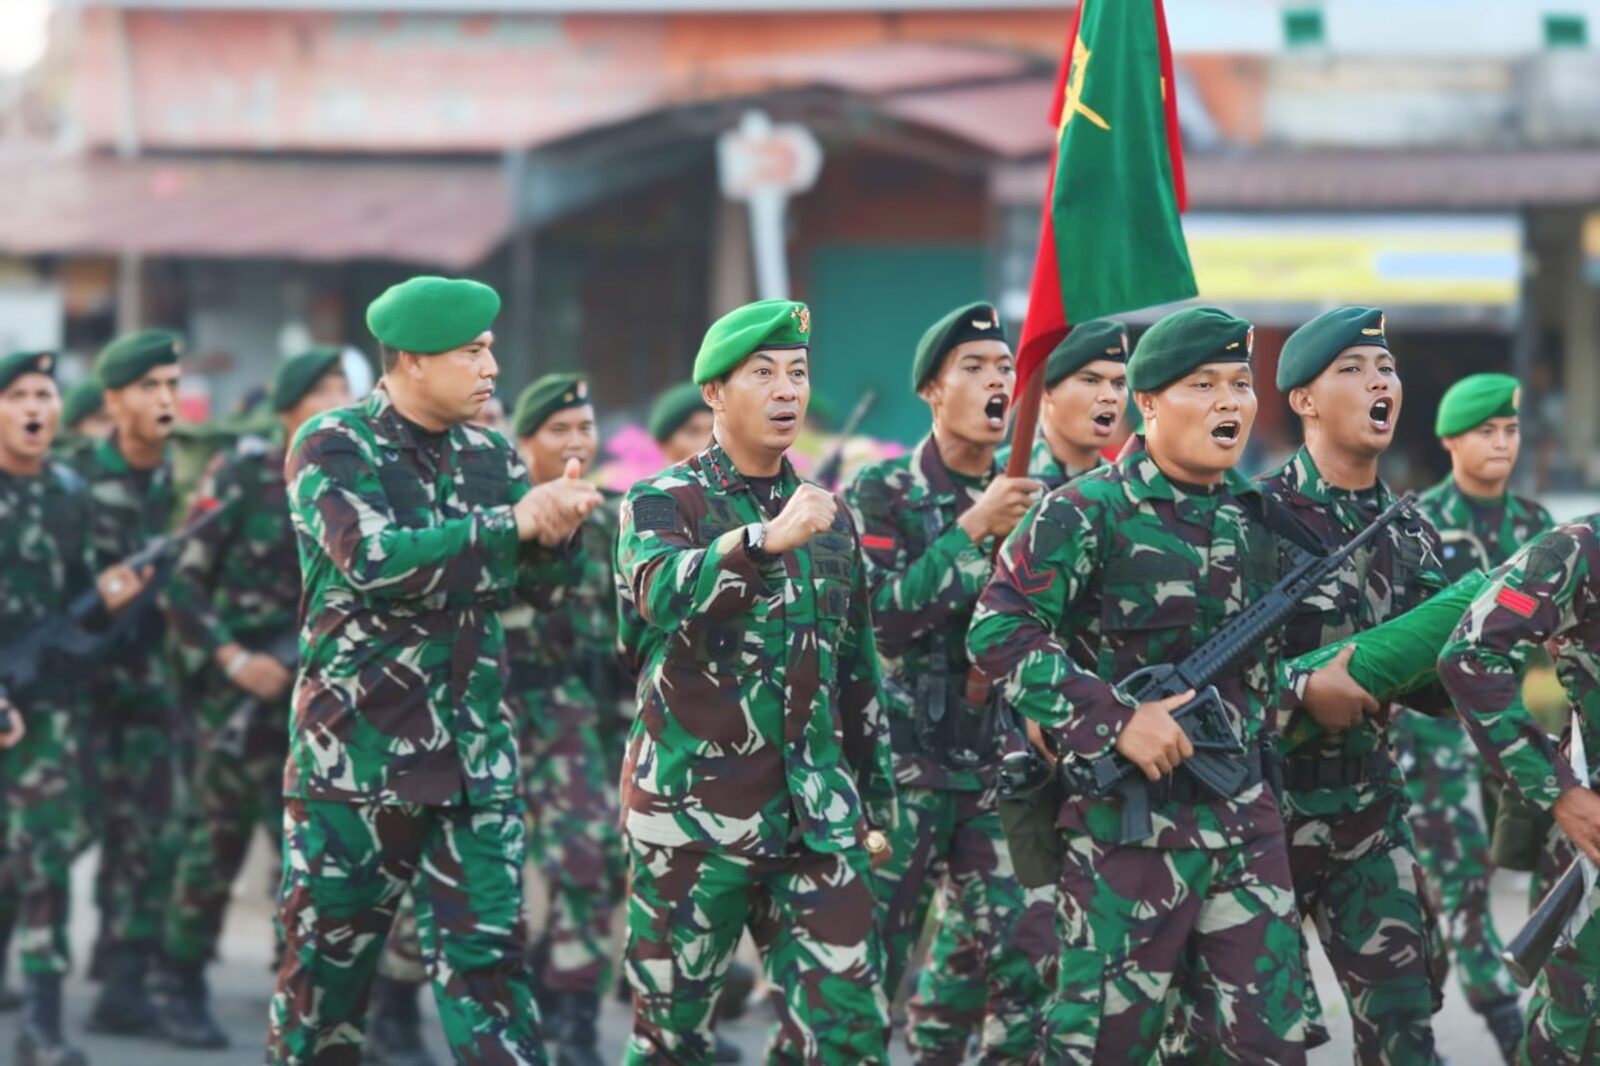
(721, 472)
(1310, 483)
(928, 461)
(1146, 481)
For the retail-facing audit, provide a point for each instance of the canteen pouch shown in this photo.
(1030, 797)
(1519, 831)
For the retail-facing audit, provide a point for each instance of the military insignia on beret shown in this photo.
(177, 346)
(802, 316)
(1516, 398)
(583, 389)
(992, 322)
(43, 364)
(1250, 340)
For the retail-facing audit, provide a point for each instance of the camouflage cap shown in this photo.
(300, 374)
(427, 315)
(133, 355)
(1313, 346)
(546, 396)
(82, 400)
(673, 408)
(16, 364)
(969, 322)
(1186, 340)
(1474, 400)
(1100, 338)
(766, 324)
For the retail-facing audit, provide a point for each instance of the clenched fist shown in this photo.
(12, 730)
(1001, 507)
(811, 510)
(1577, 812)
(550, 513)
(1334, 698)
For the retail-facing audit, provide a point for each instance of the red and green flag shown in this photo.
(1111, 240)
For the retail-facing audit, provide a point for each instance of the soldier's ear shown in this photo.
(1302, 403)
(711, 393)
(1146, 403)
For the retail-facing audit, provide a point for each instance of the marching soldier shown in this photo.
(757, 788)
(680, 422)
(1128, 567)
(1547, 594)
(232, 603)
(45, 561)
(1480, 524)
(928, 523)
(1351, 849)
(414, 529)
(83, 417)
(1086, 395)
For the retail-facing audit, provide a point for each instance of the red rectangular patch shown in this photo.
(1517, 602)
(885, 544)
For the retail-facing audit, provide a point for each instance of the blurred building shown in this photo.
(256, 170)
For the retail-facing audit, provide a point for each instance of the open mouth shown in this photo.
(1104, 422)
(995, 411)
(1226, 432)
(1382, 415)
(785, 420)
(33, 429)
(165, 420)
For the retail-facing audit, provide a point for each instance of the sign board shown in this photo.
(759, 157)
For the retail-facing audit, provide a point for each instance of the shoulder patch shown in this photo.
(885, 544)
(655, 513)
(1519, 603)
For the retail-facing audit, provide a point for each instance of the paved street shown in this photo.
(242, 983)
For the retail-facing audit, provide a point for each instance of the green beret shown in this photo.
(428, 315)
(751, 328)
(16, 364)
(546, 396)
(1186, 340)
(970, 322)
(673, 408)
(1100, 338)
(133, 355)
(1310, 349)
(300, 374)
(82, 400)
(1472, 401)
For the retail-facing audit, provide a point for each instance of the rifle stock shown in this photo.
(828, 472)
(1531, 948)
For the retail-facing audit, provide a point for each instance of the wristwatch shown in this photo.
(755, 539)
(876, 842)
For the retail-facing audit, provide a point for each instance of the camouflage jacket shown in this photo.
(408, 552)
(45, 560)
(759, 724)
(925, 574)
(1397, 572)
(238, 579)
(1479, 534)
(1548, 591)
(1119, 570)
(1044, 466)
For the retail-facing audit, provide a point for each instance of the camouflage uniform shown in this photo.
(926, 574)
(564, 675)
(134, 752)
(1443, 769)
(1350, 846)
(755, 768)
(403, 768)
(1119, 570)
(1548, 591)
(1043, 464)
(44, 562)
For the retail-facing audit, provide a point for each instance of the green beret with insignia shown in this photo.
(1311, 348)
(300, 374)
(766, 324)
(1472, 401)
(82, 400)
(16, 364)
(1100, 338)
(546, 396)
(673, 408)
(1186, 340)
(133, 355)
(427, 315)
(971, 322)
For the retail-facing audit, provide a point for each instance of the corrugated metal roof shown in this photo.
(1009, 119)
(871, 69)
(446, 214)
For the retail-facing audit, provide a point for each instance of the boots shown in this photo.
(39, 1041)
(124, 1007)
(394, 1037)
(186, 1008)
(1504, 1019)
(572, 1026)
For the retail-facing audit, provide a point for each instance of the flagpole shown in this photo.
(1022, 433)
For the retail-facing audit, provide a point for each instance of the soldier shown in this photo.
(83, 417)
(1480, 524)
(757, 786)
(1547, 594)
(134, 729)
(413, 528)
(1127, 567)
(680, 422)
(1086, 394)
(929, 521)
(1351, 849)
(45, 561)
(564, 674)
(232, 603)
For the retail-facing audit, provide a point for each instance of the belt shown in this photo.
(1311, 773)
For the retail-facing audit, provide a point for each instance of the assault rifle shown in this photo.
(1218, 763)
(828, 472)
(1530, 949)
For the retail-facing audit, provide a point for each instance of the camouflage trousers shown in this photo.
(1564, 1013)
(1442, 774)
(946, 1008)
(238, 786)
(1357, 878)
(952, 840)
(811, 916)
(43, 831)
(1146, 932)
(346, 867)
(136, 788)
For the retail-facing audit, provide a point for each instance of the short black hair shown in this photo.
(390, 357)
